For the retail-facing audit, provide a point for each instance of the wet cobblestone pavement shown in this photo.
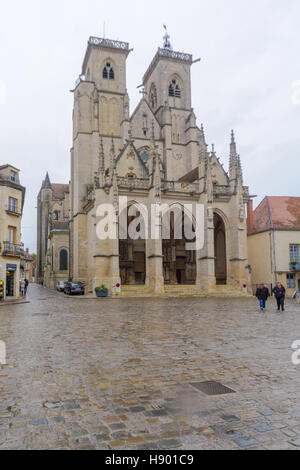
(117, 374)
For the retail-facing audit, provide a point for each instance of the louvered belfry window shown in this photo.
(174, 89)
(108, 72)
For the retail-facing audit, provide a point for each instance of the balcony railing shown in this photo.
(11, 249)
(13, 209)
(295, 266)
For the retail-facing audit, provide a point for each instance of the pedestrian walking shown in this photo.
(26, 286)
(279, 292)
(262, 294)
(22, 286)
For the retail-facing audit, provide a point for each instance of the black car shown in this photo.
(73, 288)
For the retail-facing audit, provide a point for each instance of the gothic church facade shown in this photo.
(158, 154)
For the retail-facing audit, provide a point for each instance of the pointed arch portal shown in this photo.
(132, 257)
(179, 264)
(220, 250)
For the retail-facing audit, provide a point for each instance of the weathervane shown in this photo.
(166, 38)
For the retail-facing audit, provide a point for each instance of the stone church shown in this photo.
(157, 154)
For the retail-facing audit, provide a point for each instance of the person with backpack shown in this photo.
(262, 294)
(279, 292)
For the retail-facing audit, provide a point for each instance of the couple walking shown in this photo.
(263, 294)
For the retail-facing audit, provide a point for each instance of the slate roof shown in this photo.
(59, 190)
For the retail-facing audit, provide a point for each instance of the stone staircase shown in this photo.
(136, 291)
(229, 291)
(181, 291)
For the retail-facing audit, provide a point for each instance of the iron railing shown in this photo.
(295, 266)
(11, 249)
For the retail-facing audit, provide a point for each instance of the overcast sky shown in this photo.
(250, 60)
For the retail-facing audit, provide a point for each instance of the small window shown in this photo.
(12, 204)
(174, 89)
(63, 260)
(108, 72)
(291, 281)
(145, 157)
(13, 176)
(145, 124)
(111, 74)
(294, 253)
(56, 215)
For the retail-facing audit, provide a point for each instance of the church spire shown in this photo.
(213, 151)
(202, 133)
(209, 181)
(152, 149)
(101, 156)
(101, 164)
(112, 157)
(155, 164)
(239, 170)
(46, 183)
(233, 161)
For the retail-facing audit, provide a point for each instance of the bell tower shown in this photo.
(105, 64)
(168, 79)
(100, 107)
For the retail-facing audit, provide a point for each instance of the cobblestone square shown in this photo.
(119, 374)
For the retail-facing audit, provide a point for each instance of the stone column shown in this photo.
(205, 258)
(154, 264)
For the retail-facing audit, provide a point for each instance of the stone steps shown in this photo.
(181, 291)
(136, 291)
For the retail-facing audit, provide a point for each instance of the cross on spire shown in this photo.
(166, 38)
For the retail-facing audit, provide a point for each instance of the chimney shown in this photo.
(250, 216)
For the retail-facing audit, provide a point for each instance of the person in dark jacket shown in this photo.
(262, 294)
(279, 292)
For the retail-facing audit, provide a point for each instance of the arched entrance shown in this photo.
(179, 264)
(132, 255)
(220, 250)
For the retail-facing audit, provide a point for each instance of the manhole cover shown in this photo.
(212, 388)
(156, 406)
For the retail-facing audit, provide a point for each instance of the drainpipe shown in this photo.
(274, 251)
(271, 258)
(273, 242)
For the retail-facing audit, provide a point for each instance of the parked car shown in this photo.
(60, 286)
(73, 288)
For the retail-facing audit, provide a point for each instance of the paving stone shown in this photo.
(266, 412)
(102, 437)
(230, 418)
(159, 413)
(245, 442)
(262, 428)
(38, 422)
(148, 446)
(169, 443)
(117, 426)
(136, 409)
